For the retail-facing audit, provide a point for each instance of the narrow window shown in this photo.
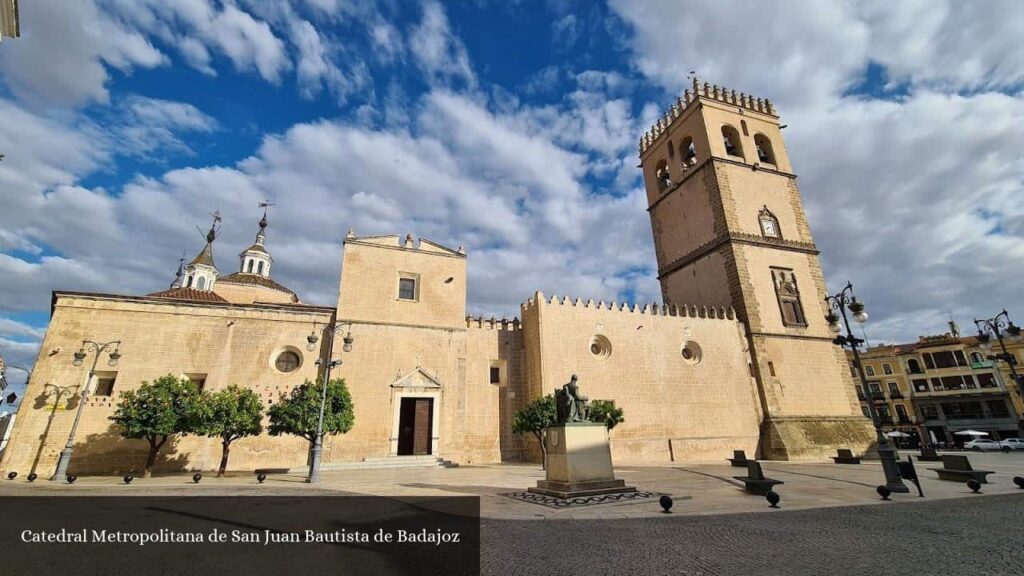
(201, 284)
(788, 294)
(495, 375)
(901, 413)
(869, 370)
(259, 269)
(894, 390)
(250, 267)
(188, 283)
(771, 369)
(887, 368)
(731, 139)
(764, 149)
(743, 126)
(407, 288)
(914, 367)
(663, 176)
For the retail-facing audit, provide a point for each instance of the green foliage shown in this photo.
(156, 411)
(298, 412)
(535, 416)
(159, 409)
(606, 412)
(229, 414)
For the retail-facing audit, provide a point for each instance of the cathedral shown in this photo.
(738, 354)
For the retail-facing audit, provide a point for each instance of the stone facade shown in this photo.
(738, 356)
(730, 230)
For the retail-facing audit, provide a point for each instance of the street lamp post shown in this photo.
(330, 330)
(996, 325)
(841, 302)
(97, 348)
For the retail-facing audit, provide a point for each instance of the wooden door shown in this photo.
(423, 426)
(415, 426)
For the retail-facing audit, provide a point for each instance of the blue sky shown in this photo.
(507, 127)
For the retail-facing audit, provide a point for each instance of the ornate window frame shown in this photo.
(787, 293)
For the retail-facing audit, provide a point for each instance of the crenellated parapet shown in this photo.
(705, 91)
(493, 323)
(654, 309)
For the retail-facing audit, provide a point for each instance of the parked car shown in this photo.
(982, 444)
(1012, 444)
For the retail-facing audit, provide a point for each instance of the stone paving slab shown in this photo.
(709, 487)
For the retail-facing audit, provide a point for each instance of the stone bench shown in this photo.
(739, 459)
(958, 468)
(845, 456)
(755, 481)
(929, 455)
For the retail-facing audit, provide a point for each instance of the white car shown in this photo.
(1012, 444)
(982, 444)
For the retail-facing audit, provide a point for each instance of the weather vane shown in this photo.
(214, 227)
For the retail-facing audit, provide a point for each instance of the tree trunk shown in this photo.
(543, 451)
(225, 449)
(154, 448)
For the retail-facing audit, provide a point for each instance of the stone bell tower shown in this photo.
(730, 230)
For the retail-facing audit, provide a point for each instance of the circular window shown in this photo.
(600, 346)
(288, 361)
(691, 352)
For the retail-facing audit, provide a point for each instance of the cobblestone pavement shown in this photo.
(965, 536)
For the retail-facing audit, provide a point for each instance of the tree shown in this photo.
(299, 412)
(156, 412)
(534, 418)
(606, 412)
(229, 414)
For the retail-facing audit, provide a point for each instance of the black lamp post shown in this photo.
(330, 330)
(841, 302)
(996, 325)
(97, 348)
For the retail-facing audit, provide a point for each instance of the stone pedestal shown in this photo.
(579, 462)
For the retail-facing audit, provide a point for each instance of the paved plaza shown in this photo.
(831, 520)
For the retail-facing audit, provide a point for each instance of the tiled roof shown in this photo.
(256, 248)
(189, 294)
(205, 256)
(253, 280)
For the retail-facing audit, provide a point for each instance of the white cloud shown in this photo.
(915, 198)
(62, 55)
(440, 54)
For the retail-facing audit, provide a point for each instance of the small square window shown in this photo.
(887, 368)
(869, 370)
(198, 379)
(104, 386)
(407, 288)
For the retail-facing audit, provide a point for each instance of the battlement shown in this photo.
(684, 310)
(709, 92)
(493, 323)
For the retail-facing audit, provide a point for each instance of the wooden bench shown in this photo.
(958, 469)
(755, 481)
(739, 459)
(929, 455)
(846, 457)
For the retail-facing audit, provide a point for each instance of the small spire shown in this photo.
(180, 273)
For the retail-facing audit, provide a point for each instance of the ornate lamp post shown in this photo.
(329, 330)
(841, 302)
(996, 325)
(97, 348)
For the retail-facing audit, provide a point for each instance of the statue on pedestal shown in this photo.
(570, 405)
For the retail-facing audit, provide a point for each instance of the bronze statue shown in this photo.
(570, 406)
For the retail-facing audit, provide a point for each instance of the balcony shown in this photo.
(877, 396)
(885, 420)
(896, 395)
(904, 420)
(860, 396)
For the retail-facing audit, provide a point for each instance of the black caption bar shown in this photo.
(337, 535)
